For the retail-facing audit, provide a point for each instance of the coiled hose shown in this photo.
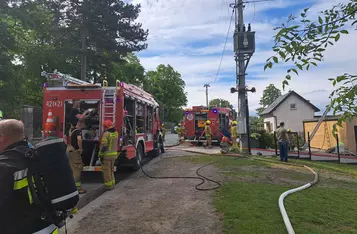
(283, 212)
(198, 177)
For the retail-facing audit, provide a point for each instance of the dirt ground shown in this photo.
(143, 205)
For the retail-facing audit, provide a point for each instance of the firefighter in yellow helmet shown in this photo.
(234, 135)
(208, 134)
(179, 131)
(108, 153)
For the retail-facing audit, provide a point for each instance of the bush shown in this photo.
(262, 139)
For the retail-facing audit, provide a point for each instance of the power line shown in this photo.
(224, 48)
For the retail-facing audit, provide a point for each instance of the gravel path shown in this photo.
(143, 205)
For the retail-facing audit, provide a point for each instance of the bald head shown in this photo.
(11, 131)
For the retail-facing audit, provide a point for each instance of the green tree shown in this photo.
(96, 35)
(175, 115)
(129, 71)
(270, 94)
(220, 103)
(24, 40)
(256, 123)
(167, 87)
(303, 42)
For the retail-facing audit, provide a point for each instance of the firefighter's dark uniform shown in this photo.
(18, 213)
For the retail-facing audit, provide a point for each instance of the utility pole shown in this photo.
(244, 47)
(206, 86)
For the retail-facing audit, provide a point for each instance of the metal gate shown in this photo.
(37, 122)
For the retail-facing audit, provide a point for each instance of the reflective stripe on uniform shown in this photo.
(52, 229)
(20, 182)
(110, 154)
(20, 174)
(20, 179)
(65, 197)
(109, 140)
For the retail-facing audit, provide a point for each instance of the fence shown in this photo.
(32, 119)
(333, 154)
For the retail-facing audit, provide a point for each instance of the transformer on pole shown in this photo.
(244, 48)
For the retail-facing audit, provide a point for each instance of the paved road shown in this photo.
(171, 139)
(143, 205)
(93, 181)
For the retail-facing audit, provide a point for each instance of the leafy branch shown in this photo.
(304, 43)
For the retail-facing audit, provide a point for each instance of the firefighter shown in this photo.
(224, 145)
(75, 114)
(163, 130)
(208, 134)
(75, 150)
(234, 136)
(1, 115)
(179, 131)
(108, 153)
(18, 213)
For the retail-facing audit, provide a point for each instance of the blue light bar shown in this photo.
(214, 110)
(187, 112)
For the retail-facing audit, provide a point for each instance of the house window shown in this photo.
(293, 106)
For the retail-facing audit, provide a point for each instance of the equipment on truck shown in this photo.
(134, 113)
(195, 119)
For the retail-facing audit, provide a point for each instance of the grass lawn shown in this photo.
(249, 196)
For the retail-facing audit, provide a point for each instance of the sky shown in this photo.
(190, 36)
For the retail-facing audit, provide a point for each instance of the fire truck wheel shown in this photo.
(139, 157)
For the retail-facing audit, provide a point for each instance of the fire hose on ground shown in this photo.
(283, 212)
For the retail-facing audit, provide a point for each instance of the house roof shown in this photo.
(282, 98)
(316, 119)
(326, 118)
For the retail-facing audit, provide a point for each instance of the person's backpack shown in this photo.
(50, 179)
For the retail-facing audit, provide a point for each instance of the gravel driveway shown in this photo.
(143, 205)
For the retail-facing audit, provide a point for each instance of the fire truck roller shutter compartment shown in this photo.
(91, 130)
(200, 121)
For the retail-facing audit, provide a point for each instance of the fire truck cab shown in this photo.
(195, 119)
(134, 112)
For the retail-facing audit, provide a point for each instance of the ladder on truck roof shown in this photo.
(64, 78)
(322, 118)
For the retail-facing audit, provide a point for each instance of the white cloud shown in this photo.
(189, 35)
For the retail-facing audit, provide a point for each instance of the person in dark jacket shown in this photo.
(18, 213)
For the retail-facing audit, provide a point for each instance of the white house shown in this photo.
(291, 109)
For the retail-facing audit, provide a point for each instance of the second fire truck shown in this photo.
(134, 112)
(195, 119)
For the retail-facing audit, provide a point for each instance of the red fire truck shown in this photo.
(195, 119)
(134, 112)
